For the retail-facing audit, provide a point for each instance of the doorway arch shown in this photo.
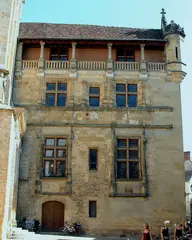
(52, 216)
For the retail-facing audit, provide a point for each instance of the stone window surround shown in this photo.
(140, 97)
(57, 81)
(92, 201)
(67, 154)
(141, 157)
(87, 85)
(93, 148)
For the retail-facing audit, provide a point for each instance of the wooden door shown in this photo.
(52, 216)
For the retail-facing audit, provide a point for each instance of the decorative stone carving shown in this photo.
(171, 28)
(3, 79)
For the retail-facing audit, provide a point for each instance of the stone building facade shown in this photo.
(99, 113)
(103, 144)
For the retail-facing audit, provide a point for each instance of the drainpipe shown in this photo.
(146, 183)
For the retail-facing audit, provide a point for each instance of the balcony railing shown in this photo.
(127, 66)
(152, 66)
(57, 64)
(96, 65)
(29, 64)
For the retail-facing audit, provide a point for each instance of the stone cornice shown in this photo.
(100, 109)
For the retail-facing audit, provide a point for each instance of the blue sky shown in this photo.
(127, 13)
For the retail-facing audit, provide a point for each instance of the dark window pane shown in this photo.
(92, 209)
(48, 168)
(60, 169)
(120, 52)
(61, 99)
(50, 99)
(94, 90)
(121, 143)
(133, 143)
(61, 153)
(51, 86)
(133, 170)
(94, 101)
(49, 141)
(129, 53)
(49, 153)
(132, 100)
(121, 170)
(54, 50)
(120, 87)
(120, 100)
(93, 159)
(62, 86)
(121, 154)
(61, 142)
(132, 87)
(133, 154)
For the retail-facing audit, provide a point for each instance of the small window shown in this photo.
(125, 55)
(126, 95)
(59, 54)
(56, 94)
(94, 96)
(92, 209)
(176, 52)
(93, 156)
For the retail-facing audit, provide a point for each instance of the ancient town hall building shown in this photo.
(100, 113)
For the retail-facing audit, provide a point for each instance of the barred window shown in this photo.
(56, 94)
(128, 159)
(55, 157)
(93, 156)
(126, 95)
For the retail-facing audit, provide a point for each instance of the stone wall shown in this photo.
(159, 107)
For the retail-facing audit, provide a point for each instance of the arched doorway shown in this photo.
(52, 216)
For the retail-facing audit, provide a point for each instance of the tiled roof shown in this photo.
(77, 31)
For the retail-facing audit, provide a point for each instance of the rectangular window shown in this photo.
(94, 96)
(92, 209)
(128, 159)
(56, 94)
(125, 55)
(59, 54)
(55, 157)
(93, 158)
(176, 52)
(126, 95)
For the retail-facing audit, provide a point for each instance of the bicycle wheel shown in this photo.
(63, 231)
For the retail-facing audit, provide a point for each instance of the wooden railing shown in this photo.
(90, 65)
(127, 66)
(57, 64)
(154, 66)
(96, 65)
(29, 64)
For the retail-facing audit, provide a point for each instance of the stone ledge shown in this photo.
(99, 109)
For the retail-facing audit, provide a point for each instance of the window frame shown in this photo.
(56, 92)
(93, 201)
(95, 169)
(55, 158)
(59, 53)
(128, 160)
(125, 55)
(126, 93)
(94, 95)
